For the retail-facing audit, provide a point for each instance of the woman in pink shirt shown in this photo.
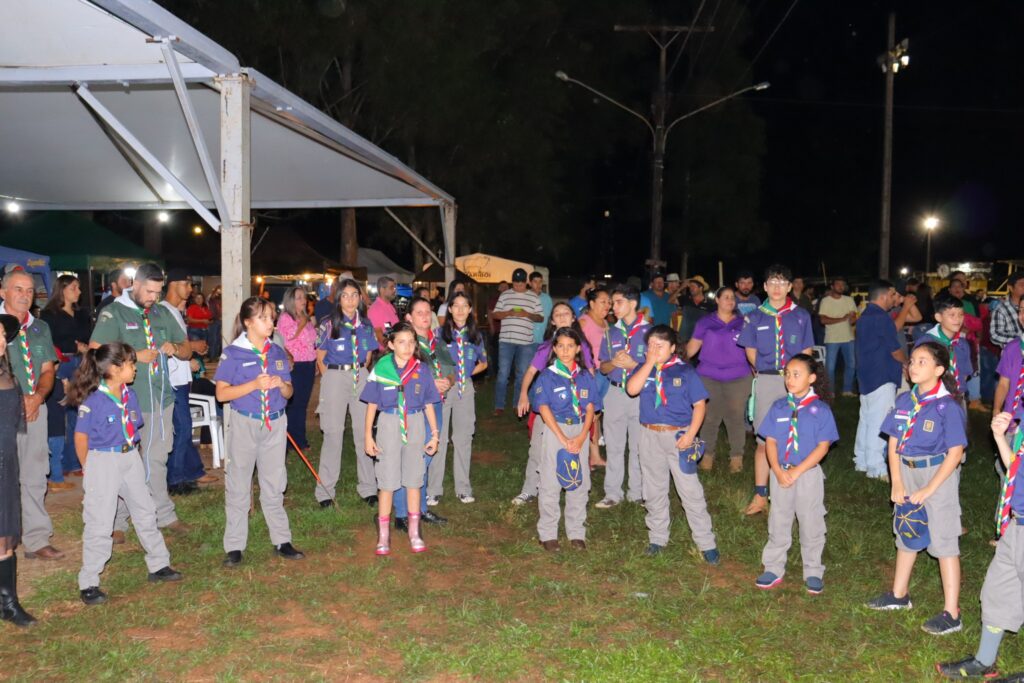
(299, 333)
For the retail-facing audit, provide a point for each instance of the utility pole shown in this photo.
(895, 57)
(663, 37)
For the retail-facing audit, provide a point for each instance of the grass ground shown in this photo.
(486, 603)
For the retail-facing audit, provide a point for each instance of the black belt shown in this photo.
(335, 366)
(123, 448)
(618, 384)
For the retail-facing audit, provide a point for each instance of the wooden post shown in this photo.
(236, 229)
(449, 213)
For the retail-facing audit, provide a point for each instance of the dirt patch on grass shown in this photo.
(489, 458)
(181, 636)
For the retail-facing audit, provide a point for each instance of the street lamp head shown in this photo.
(163, 217)
(904, 271)
(763, 85)
(931, 222)
(562, 76)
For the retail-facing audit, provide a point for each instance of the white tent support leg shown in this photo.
(209, 170)
(236, 232)
(414, 236)
(449, 213)
(84, 94)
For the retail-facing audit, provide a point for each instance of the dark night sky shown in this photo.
(956, 140)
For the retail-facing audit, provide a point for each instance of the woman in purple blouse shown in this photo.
(726, 374)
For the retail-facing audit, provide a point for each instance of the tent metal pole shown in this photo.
(416, 238)
(449, 213)
(171, 60)
(236, 232)
(84, 94)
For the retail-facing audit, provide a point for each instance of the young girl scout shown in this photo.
(344, 344)
(466, 348)
(400, 387)
(253, 376)
(107, 444)
(798, 431)
(565, 397)
(926, 444)
(672, 404)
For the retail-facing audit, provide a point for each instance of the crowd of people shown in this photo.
(649, 375)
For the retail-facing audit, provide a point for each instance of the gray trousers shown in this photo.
(1002, 595)
(156, 444)
(108, 478)
(460, 418)
(659, 460)
(621, 420)
(33, 466)
(549, 491)
(400, 465)
(943, 508)
(770, 387)
(337, 399)
(804, 500)
(727, 403)
(251, 446)
(532, 479)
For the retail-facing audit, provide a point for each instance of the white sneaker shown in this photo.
(606, 503)
(466, 498)
(523, 499)
(432, 501)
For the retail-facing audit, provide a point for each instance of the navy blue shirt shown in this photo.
(240, 364)
(339, 350)
(814, 424)
(877, 339)
(759, 333)
(419, 391)
(682, 387)
(616, 340)
(939, 426)
(959, 347)
(553, 390)
(99, 418)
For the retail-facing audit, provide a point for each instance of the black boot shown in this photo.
(10, 608)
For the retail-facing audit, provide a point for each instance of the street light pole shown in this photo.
(930, 223)
(894, 58)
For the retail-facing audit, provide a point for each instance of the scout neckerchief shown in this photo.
(460, 359)
(1010, 482)
(780, 338)
(793, 438)
(1018, 392)
(386, 372)
(353, 326)
(627, 335)
(919, 402)
(154, 366)
(428, 345)
(950, 344)
(127, 426)
(264, 395)
(660, 397)
(26, 356)
(559, 368)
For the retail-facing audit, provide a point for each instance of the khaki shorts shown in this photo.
(768, 388)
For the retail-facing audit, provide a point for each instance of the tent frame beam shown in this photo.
(415, 237)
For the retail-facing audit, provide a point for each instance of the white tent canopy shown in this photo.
(489, 269)
(118, 104)
(377, 265)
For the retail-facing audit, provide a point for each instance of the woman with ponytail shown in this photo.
(107, 444)
(926, 446)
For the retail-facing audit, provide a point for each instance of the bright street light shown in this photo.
(904, 271)
(13, 207)
(163, 217)
(197, 229)
(929, 223)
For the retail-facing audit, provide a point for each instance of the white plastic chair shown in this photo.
(204, 414)
(819, 353)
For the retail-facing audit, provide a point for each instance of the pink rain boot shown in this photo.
(384, 535)
(415, 542)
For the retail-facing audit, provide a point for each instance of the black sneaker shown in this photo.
(402, 524)
(326, 503)
(942, 624)
(165, 574)
(233, 558)
(888, 601)
(431, 517)
(653, 549)
(371, 500)
(93, 596)
(966, 668)
(288, 552)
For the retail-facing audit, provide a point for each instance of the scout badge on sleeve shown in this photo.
(912, 525)
(568, 470)
(689, 457)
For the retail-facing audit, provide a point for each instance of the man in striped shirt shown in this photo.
(518, 309)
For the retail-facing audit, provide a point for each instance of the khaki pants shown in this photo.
(621, 421)
(549, 491)
(33, 466)
(804, 500)
(659, 459)
(250, 445)
(339, 398)
(156, 439)
(460, 418)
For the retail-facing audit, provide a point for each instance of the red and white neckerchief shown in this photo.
(951, 344)
(919, 402)
(1010, 482)
(428, 345)
(780, 337)
(264, 364)
(1018, 392)
(660, 397)
(127, 426)
(154, 366)
(631, 331)
(460, 359)
(411, 369)
(793, 438)
(26, 355)
(570, 373)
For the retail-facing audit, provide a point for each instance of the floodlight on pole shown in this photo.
(930, 223)
(13, 207)
(163, 217)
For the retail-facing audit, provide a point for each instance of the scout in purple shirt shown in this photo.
(1011, 376)
(349, 345)
(672, 401)
(772, 334)
(107, 444)
(721, 357)
(949, 312)
(926, 445)
(253, 375)
(798, 431)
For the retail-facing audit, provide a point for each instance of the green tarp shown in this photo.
(73, 242)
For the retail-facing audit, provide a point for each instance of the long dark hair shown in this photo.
(336, 314)
(548, 333)
(821, 385)
(56, 302)
(251, 308)
(667, 334)
(571, 334)
(96, 365)
(940, 354)
(448, 329)
(7, 371)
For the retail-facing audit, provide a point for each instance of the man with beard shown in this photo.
(746, 300)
